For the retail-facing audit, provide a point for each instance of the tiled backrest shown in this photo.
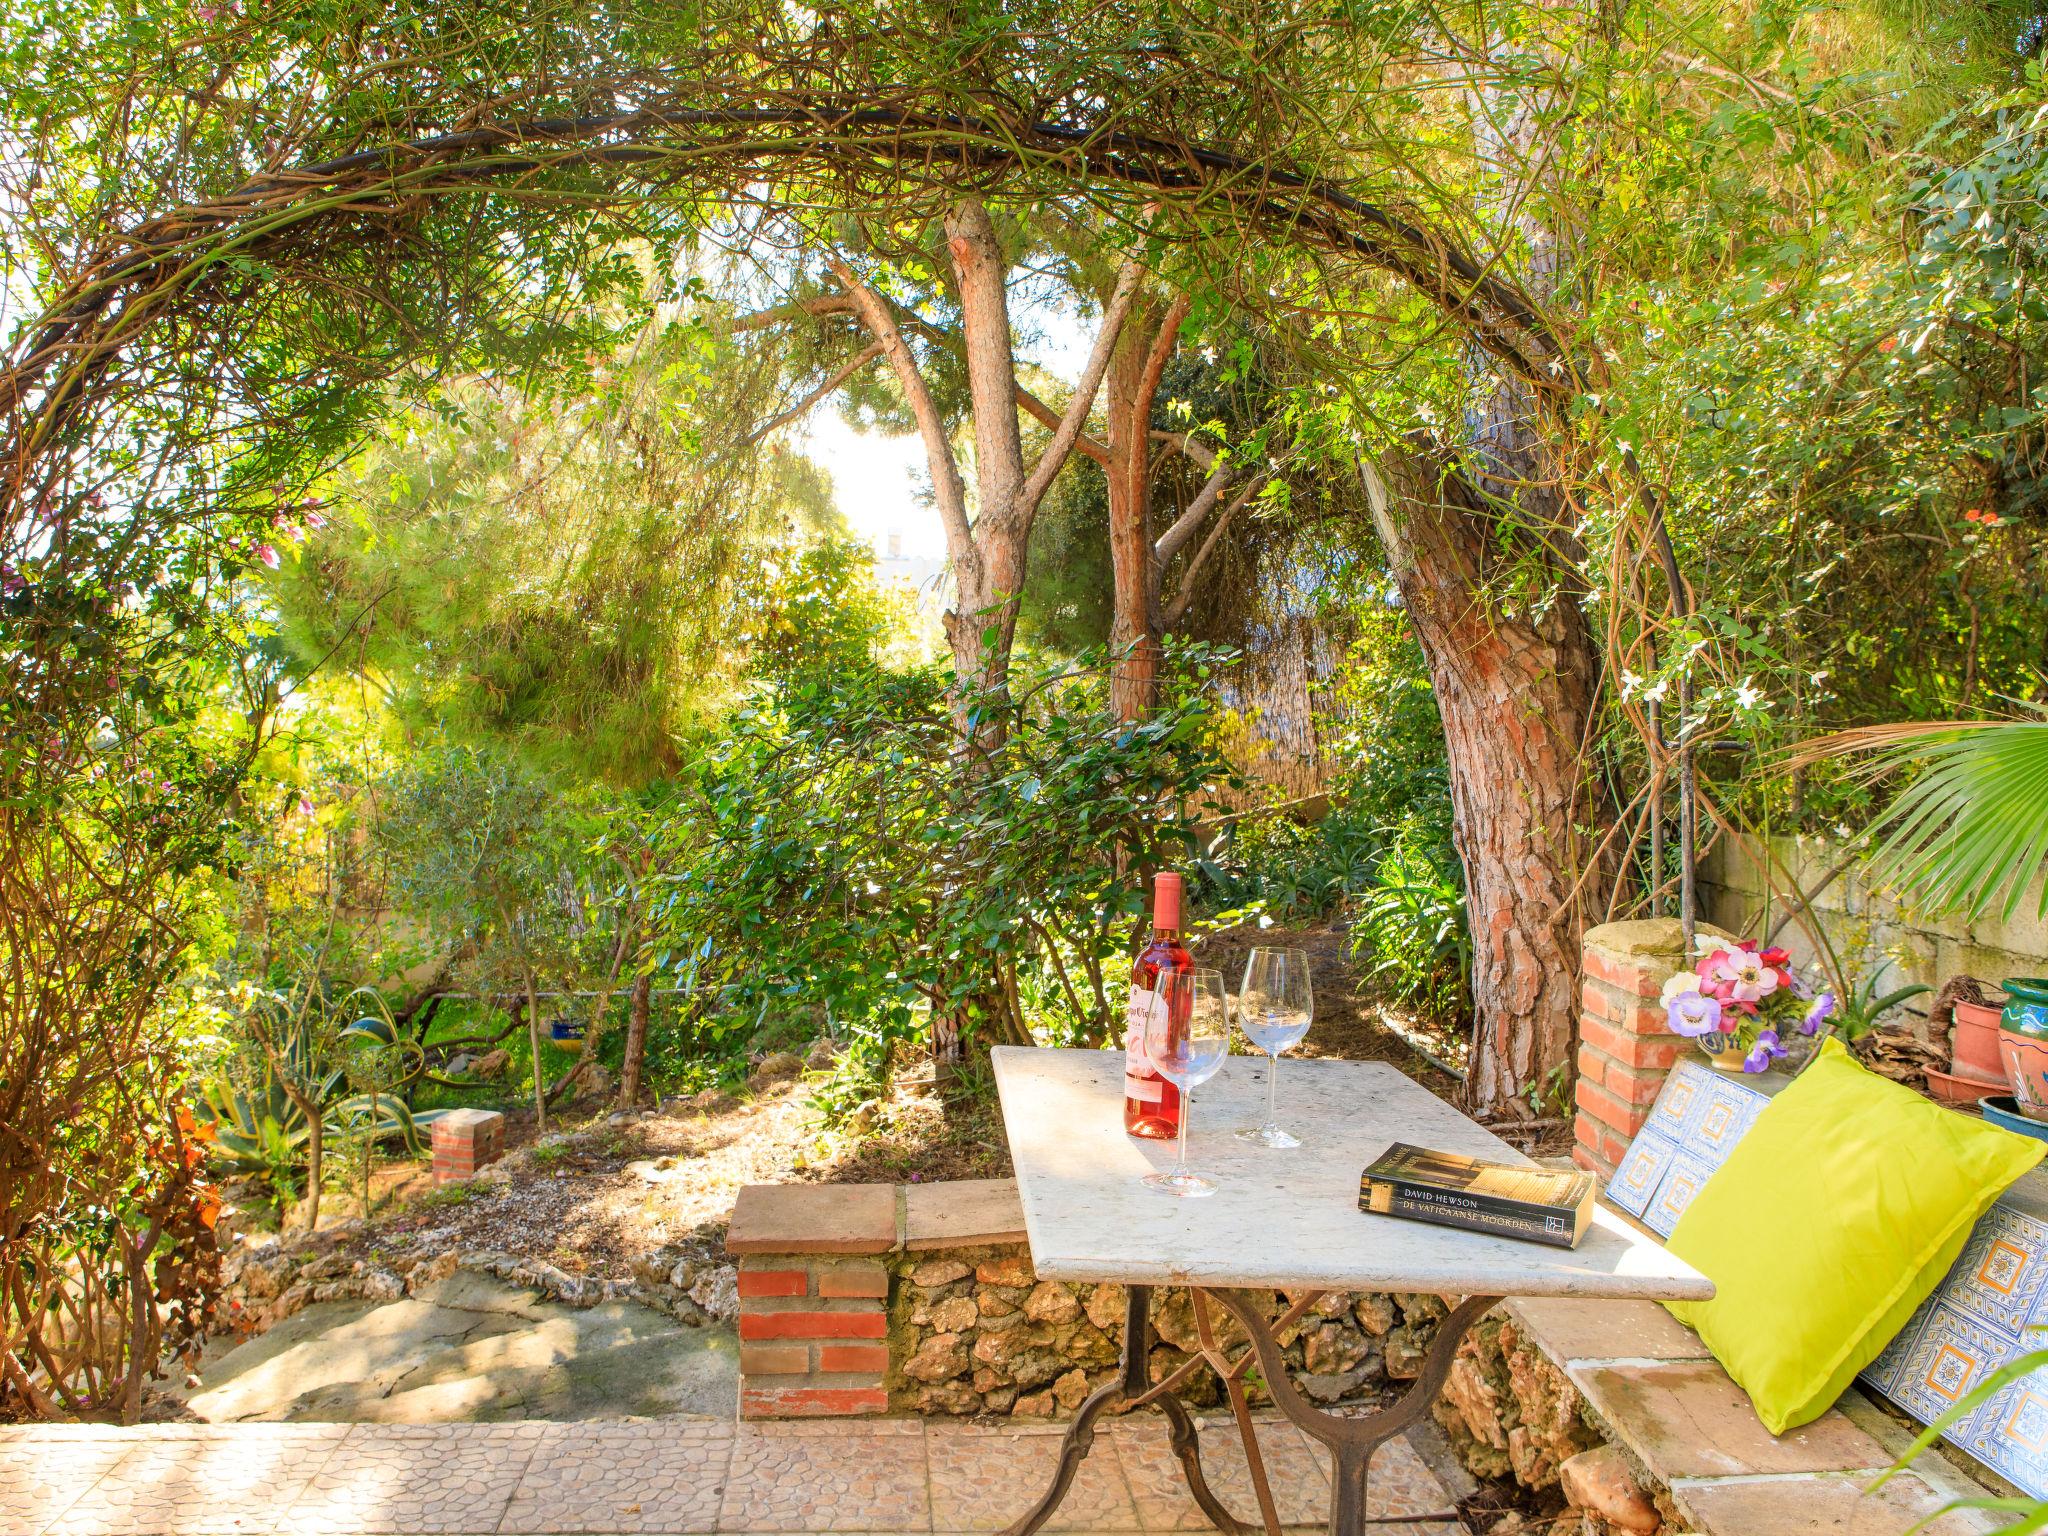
(1983, 1314)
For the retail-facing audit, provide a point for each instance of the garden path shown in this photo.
(895, 1476)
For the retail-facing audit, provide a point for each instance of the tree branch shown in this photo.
(1179, 606)
(1069, 429)
(860, 360)
(1189, 522)
(948, 488)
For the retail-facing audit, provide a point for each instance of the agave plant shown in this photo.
(1970, 830)
(265, 1123)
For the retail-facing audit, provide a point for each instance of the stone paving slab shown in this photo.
(892, 1477)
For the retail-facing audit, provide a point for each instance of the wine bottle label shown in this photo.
(1141, 1081)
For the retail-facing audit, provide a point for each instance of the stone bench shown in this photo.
(1655, 1122)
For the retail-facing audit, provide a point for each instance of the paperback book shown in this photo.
(1540, 1205)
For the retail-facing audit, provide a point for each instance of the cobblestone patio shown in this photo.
(649, 1476)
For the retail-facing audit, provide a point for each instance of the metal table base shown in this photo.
(1352, 1441)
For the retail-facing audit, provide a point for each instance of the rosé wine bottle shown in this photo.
(1151, 1103)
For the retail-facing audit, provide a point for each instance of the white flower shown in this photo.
(1677, 985)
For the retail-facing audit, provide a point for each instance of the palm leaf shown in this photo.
(1971, 829)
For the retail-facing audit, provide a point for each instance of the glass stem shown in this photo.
(1272, 1088)
(1187, 1102)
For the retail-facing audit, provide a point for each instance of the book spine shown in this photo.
(1474, 1213)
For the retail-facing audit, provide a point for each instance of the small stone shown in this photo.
(774, 1067)
(1051, 1302)
(717, 1291)
(265, 1274)
(1477, 1402)
(1403, 1353)
(1106, 1306)
(1375, 1313)
(939, 1358)
(1421, 1307)
(821, 1054)
(1070, 1390)
(1602, 1483)
(1034, 1405)
(380, 1284)
(687, 1272)
(986, 1380)
(1333, 1349)
(955, 1314)
(997, 1301)
(999, 1399)
(653, 1266)
(1012, 1270)
(431, 1273)
(933, 1273)
(953, 1397)
(1331, 1389)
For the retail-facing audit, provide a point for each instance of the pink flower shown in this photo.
(267, 554)
(1749, 979)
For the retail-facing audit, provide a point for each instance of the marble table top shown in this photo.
(1278, 1218)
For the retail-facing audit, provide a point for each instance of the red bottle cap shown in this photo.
(1166, 889)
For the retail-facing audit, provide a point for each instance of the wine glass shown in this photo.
(1274, 1010)
(1187, 1037)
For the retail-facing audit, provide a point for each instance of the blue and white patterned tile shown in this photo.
(1686, 1177)
(2010, 1432)
(2002, 1272)
(1635, 1183)
(1950, 1354)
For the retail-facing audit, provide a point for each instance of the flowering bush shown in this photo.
(1738, 996)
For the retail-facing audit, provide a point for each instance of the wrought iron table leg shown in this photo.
(1131, 1383)
(1353, 1441)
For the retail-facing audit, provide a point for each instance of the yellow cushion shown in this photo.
(1836, 1216)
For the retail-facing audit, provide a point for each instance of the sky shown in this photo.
(881, 483)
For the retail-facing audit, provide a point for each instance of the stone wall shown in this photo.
(973, 1330)
(1873, 928)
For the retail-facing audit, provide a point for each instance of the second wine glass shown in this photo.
(1274, 1010)
(1187, 1038)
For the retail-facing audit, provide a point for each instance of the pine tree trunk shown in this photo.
(1517, 689)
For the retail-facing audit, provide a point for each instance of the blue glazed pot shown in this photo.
(2026, 1006)
(2000, 1109)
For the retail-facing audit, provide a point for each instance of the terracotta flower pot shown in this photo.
(1976, 1042)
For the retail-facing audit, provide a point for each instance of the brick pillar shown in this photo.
(1625, 1051)
(814, 1298)
(464, 1141)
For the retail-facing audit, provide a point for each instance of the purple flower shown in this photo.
(1764, 1052)
(1693, 1014)
(1822, 1010)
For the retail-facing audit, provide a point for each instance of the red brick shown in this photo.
(1592, 1066)
(853, 1357)
(1610, 1111)
(813, 1325)
(1639, 1088)
(775, 1359)
(1660, 1051)
(863, 1281)
(1637, 980)
(774, 1282)
(1599, 1003)
(1590, 1161)
(810, 1402)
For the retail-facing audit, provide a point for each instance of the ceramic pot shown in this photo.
(2026, 1068)
(1722, 1053)
(1961, 1089)
(1976, 1042)
(2002, 1111)
(2026, 1006)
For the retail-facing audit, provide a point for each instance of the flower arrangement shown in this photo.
(1741, 998)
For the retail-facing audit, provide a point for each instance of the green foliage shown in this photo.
(848, 843)
(1412, 925)
(1859, 1013)
(260, 1122)
(1969, 832)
